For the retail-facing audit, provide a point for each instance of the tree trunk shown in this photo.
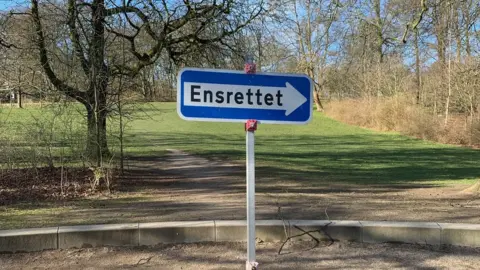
(441, 48)
(417, 67)
(97, 147)
(97, 92)
(468, 49)
(316, 99)
(121, 126)
(19, 91)
(468, 22)
(447, 102)
(441, 28)
(379, 30)
(458, 34)
(145, 90)
(449, 94)
(19, 99)
(154, 86)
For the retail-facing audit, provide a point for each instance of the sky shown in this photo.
(6, 5)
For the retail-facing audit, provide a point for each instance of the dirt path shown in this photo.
(183, 187)
(186, 187)
(232, 256)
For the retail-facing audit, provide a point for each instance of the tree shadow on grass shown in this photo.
(348, 159)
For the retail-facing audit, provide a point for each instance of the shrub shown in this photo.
(399, 113)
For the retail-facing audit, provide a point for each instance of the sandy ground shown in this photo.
(303, 255)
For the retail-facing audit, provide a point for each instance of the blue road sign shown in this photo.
(234, 96)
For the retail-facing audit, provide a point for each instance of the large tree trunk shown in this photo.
(96, 147)
(441, 28)
(97, 93)
(379, 30)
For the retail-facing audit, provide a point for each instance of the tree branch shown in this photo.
(44, 61)
(130, 9)
(75, 37)
(417, 22)
(197, 15)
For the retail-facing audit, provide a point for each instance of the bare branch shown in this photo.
(130, 9)
(416, 22)
(45, 62)
(75, 37)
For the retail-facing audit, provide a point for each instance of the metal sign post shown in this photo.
(250, 128)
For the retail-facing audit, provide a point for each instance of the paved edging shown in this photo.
(139, 234)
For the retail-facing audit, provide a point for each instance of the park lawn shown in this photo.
(324, 151)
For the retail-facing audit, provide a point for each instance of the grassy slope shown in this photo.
(323, 151)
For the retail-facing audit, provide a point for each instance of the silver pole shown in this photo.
(250, 127)
(251, 263)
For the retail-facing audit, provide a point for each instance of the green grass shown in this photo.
(46, 214)
(324, 151)
(37, 134)
(25, 216)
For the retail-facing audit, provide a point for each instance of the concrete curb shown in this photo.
(176, 232)
(139, 234)
(98, 235)
(29, 239)
(401, 232)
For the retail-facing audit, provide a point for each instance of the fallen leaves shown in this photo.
(46, 183)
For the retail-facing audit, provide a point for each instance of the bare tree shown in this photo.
(174, 28)
(313, 23)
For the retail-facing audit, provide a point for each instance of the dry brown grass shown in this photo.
(399, 113)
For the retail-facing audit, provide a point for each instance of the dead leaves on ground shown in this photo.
(44, 184)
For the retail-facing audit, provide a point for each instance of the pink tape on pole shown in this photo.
(250, 68)
(251, 125)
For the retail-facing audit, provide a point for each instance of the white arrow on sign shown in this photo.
(243, 96)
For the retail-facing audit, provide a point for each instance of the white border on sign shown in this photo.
(179, 100)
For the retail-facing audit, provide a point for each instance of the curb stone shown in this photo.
(176, 232)
(34, 239)
(98, 235)
(138, 234)
(460, 234)
(401, 232)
